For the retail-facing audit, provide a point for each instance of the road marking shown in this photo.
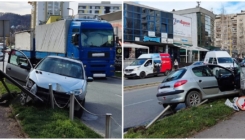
(138, 103)
(118, 95)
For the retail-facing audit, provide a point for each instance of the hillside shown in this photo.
(20, 22)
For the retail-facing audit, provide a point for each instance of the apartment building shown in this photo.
(41, 11)
(229, 32)
(90, 10)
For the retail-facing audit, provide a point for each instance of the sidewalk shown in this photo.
(8, 126)
(231, 128)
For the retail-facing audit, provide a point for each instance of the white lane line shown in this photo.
(138, 103)
(118, 95)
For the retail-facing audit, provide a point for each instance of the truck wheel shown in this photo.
(79, 113)
(142, 75)
(166, 72)
(193, 98)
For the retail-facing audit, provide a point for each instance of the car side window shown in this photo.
(217, 71)
(215, 61)
(202, 72)
(210, 60)
(148, 63)
(18, 59)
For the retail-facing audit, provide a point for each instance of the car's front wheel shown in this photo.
(79, 112)
(193, 98)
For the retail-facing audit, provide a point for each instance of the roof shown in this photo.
(194, 10)
(112, 16)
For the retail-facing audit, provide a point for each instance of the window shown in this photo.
(81, 7)
(91, 7)
(81, 11)
(175, 75)
(210, 60)
(97, 7)
(201, 71)
(18, 58)
(96, 11)
(116, 8)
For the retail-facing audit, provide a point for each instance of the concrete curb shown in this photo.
(141, 86)
(18, 122)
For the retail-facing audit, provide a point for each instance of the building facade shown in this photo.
(229, 32)
(202, 26)
(90, 10)
(149, 27)
(41, 11)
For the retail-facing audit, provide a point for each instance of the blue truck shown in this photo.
(88, 40)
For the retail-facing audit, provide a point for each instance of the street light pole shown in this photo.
(72, 11)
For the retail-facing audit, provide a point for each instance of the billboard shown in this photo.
(182, 29)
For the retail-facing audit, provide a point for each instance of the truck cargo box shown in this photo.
(24, 40)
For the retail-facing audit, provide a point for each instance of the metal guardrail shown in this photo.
(72, 100)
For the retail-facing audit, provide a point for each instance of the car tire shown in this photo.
(166, 72)
(142, 75)
(79, 113)
(172, 107)
(193, 98)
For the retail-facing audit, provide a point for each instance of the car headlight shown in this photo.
(135, 69)
(76, 92)
(29, 83)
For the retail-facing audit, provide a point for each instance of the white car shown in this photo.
(67, 76)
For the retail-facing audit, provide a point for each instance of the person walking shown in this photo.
(176, 64)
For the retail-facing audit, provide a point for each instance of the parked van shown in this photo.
(221, 58)
(149, 65)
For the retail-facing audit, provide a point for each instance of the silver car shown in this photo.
(192, 84)
(67, 76)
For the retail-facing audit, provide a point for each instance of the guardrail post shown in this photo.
(51, 96)
(72, 106)
(108, 125)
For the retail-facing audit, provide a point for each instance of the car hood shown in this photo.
(131, 67)
(59, 83)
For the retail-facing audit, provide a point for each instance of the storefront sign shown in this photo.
(137, 39)
(151, 34)
(167, 40)
(153, 39)
(164, 35)
(182, 29)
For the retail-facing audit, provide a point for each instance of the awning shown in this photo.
(132, 45)
(193, 48)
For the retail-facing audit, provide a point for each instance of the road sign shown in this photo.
(4, 28)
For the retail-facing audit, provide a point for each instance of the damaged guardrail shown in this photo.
(108, 116)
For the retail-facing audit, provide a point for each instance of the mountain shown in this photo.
(20, 22)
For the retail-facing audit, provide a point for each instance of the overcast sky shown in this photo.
(22, 7)
(214, 5)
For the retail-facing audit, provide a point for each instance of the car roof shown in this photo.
(65, 58)
(193, 66)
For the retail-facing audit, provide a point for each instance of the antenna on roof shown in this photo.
(198, 3)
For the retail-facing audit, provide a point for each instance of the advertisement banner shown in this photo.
(182, 29)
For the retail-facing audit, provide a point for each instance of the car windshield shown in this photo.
(175, 75)
(138, 62)
(61, 67)
(225, 60)
(97, 38)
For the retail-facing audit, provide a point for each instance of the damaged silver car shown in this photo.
(67, 76)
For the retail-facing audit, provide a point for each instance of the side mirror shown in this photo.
(25, 66)
(75, 39)
(90, 79)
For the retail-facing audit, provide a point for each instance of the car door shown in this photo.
(18, 66)
(206, 80)
(148, 67)
(225, 77)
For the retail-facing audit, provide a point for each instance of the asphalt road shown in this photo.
(141, 106)
(131, 82)
(104, 96)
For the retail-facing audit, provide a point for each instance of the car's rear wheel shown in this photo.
(193, 98)
(172, 107)
(142, 74)
(79, 113)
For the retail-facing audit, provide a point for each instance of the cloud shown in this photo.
(21, 8)
(230, 7)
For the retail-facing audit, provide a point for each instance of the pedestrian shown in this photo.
(176, 64)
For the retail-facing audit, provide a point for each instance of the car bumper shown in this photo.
(177, 96)
(130, 75)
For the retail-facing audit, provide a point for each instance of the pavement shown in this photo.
(231, 128)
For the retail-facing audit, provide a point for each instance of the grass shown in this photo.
(118, 74)
(185, 123)
(43, 122)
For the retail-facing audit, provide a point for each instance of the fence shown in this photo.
(108, 116)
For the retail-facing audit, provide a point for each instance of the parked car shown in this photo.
(194, 83)
(197, 63)
(66, 75)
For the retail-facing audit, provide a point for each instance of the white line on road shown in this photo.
(138, 103)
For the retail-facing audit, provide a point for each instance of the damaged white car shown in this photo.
(67, 76)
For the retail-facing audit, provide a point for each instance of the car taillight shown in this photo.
(180, 83)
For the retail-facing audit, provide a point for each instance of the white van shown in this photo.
(144, 65)
(221, 58)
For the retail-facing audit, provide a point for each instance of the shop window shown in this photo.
(164, 27)
(145, 33)
(144, 26)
